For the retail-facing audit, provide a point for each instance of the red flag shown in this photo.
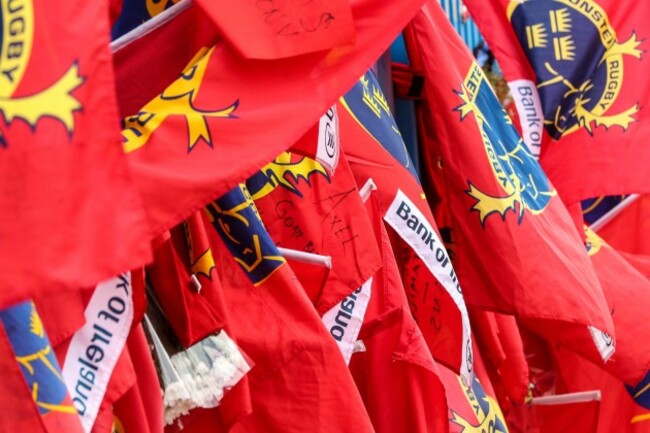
(627, 293)
(579, 417)
(226, 116)
(641, 263)
(300, 381)
(271, 29)
(189, 291)
(513, 236)
(629, 230)
(184, 279)
(392, 365)
(140, 410)
(306, 209)
(122, 380)
(502, 350)
(618, 410)
(376, 151)
(586, 76)
(70, 216)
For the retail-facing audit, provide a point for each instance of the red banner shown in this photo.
(512, 236)
(225, 116)
(69, 215)
(577, 69)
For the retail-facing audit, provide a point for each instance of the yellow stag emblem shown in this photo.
(54, 101)
(177, 100)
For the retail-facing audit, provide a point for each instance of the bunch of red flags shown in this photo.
(256, 250)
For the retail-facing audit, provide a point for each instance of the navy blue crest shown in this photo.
(35, 356)
(641, 392)
(515, 168)
(577, 60)
(236, 220)
(367, 104)
(136, 12)
(595, 208)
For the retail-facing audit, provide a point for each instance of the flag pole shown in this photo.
(574, 397)
(149, 26)
(600, 222)
(310, 258)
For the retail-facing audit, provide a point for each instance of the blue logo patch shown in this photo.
(36, 358)
(235, 218)
(486, 409)
(367, 104)
(641, 392)
(521, 179)
(578, 61)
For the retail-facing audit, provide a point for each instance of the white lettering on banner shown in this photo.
(328, 149)
(604, 343)
(531, 117)
(344, 320)
(412, 226)
(95, 348)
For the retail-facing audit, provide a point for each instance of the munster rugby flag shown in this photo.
(373, 145)
(299, 381)
(305, 208)
(69, 216)
(392, 366)
(514, 237)
(224, 117)
(590, 73)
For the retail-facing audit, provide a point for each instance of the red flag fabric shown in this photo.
(188, 289)
(629, 230)
(140, 410)
(300, 381)
(502, 350)
(627, 292)
(586, 77)
(69, 215)
(376, 151)
(282, 28)
(640, 262)
(184, 279)
(306, 209)
(506, 217)
(122, 380)
(618, 410)
(225, 116)
(575, 417)
(393, 368)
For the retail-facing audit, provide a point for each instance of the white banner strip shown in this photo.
(344, 320)
(409, 223)
(95, 348)
(603, 341)
(531, 116)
